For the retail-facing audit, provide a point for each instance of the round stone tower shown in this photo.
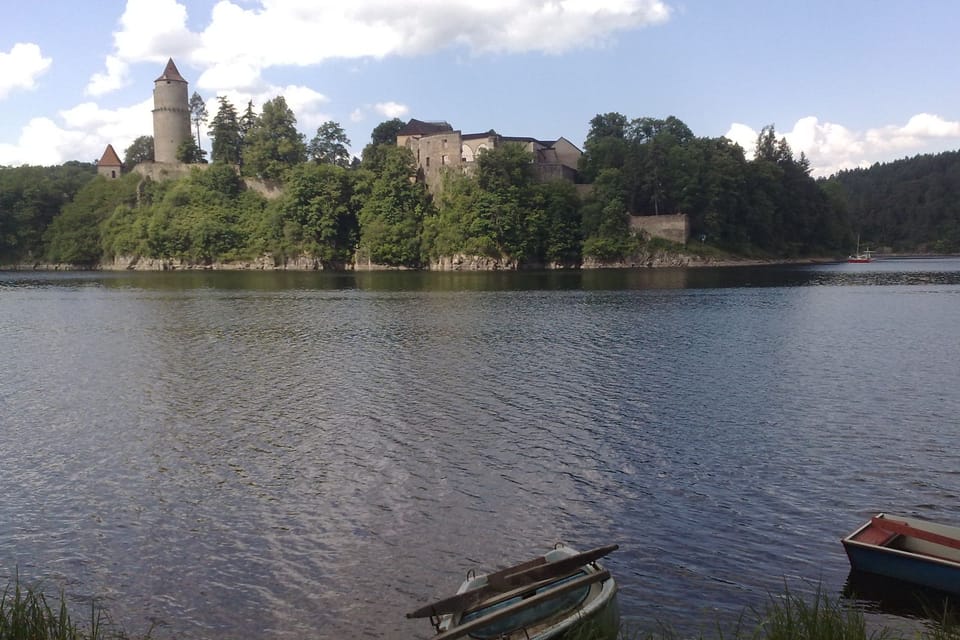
(171, 114)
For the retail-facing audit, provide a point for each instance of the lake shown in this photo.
(288, 455)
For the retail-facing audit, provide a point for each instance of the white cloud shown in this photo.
(243, 39)
(20, 68)
(112, 79)
(832, 147)
(391, 109)
(42, 142)
(150, 31)
(83, 135)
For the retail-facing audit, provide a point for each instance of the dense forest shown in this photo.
(340, 210)
(911, 205)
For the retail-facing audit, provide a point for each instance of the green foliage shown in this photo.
(329, 145)
(386, 132)
(225, 133)
(770, 204)
(392, 215)
(140, 150)
(317, 213)
(190, 153)
(30, 198)
(907, 205)
(563, 239)
(273, 145)
(73, 237)
(605, 218)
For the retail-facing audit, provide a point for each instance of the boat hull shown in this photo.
(566, 599)
(917, 562)
(913, 568)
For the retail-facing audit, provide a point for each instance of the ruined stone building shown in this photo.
(437, 147)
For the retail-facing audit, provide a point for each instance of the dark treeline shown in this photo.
(337, 209)
(649, 166)
(905, 206)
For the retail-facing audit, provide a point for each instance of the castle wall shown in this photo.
(675, 228)
(171, 119)
(436, 154)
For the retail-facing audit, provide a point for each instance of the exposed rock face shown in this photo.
(462, 262)
(643, 259)
(263, 263)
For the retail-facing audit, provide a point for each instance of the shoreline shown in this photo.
(664, 261)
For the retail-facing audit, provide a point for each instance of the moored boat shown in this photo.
(547, 598)
(865, 256)
(908, 549)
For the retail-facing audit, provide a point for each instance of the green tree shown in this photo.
(73, 237)
(198, 113)
(273, 145)
(563, 239)
(225, 133)
(386, 132)
(140, 150)
(190, 153)
(317, 213)
(606, 229)
(30, 198)
(605, 146)
(329, 145)
(391, 218)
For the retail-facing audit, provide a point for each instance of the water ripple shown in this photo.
(277, 458)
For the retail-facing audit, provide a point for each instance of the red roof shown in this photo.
(170, 73)
(109, 158)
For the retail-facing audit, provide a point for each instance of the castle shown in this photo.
(437, 147)
(171, 122)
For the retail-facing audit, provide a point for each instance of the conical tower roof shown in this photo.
(170, 73)
(109, 158)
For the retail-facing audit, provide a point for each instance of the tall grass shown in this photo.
(27, 614)
(789, 616)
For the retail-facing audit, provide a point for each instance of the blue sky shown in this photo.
(848, 83)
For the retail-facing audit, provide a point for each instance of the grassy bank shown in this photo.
(27, 614)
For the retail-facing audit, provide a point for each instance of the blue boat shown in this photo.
(557, 596)
(908, 549)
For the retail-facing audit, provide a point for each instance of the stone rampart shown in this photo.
(675, 228)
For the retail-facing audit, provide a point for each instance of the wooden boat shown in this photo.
(908, 549)
(549, 597)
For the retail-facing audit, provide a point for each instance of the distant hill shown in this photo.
(911, 205)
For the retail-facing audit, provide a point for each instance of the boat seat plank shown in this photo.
(522, 575)
(464, 629)
(550, 569)
(519, 591)
(875, 535)
(905, 529)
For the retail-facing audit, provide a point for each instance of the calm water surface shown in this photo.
(300, 455)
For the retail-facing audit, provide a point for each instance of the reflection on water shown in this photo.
(894, 598)
(311, 454)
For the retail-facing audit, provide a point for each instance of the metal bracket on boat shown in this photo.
(471, 574)
(435, 621)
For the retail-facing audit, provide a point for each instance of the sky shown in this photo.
(847, 82)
